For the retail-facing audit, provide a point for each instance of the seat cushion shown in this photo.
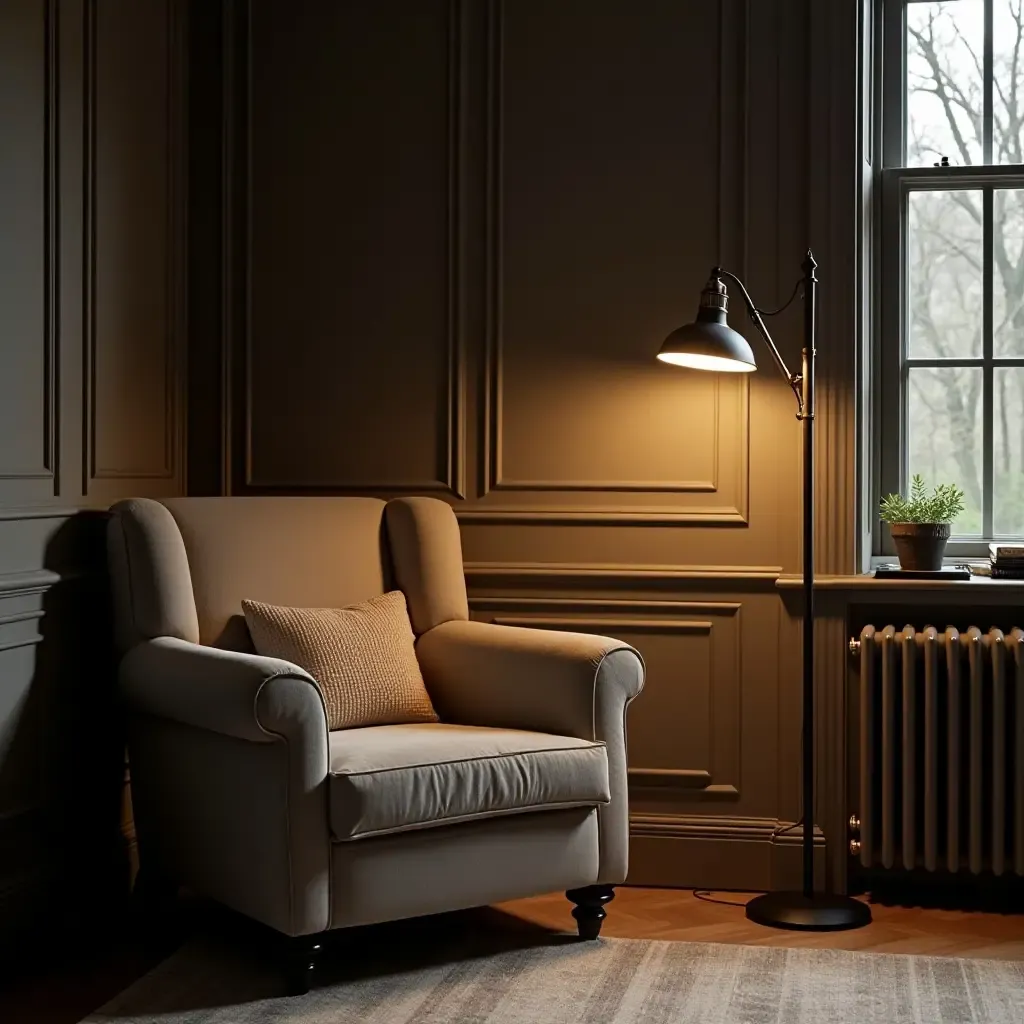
(393, 778)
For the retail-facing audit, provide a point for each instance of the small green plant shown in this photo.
(943, 505)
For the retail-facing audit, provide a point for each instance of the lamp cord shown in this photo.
(786, 305)
(788, 828)
(705, 895)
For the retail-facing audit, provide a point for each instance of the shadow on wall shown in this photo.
(63, 861)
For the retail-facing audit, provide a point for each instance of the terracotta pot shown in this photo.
(920, 546)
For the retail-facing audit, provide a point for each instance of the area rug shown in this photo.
(613, 981)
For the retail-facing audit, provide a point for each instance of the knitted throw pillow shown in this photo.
(361, 657)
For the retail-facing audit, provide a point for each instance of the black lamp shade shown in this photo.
(709, 343)
(708, 346)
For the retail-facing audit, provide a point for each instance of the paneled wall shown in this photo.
(92, 382)
(427, 246)
(454, 233)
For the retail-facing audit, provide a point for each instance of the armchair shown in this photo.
(242, 793)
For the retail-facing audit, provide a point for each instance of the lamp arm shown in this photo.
(794, 380)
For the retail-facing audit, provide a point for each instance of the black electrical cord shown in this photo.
(704, 895)
(788, 828)
(785, 305)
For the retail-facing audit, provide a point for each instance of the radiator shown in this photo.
(941, 773)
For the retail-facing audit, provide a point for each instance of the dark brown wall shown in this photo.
(456, 233)
(92, 308)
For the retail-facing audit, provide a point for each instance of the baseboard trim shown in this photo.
(712, 852)
(706, 826)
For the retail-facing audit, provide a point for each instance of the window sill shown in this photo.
(866, 581)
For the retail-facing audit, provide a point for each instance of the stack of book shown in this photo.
(1007, 561)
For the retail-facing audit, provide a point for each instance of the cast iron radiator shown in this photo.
(941, 747)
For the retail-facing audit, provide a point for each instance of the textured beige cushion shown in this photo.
(402, 777)
(362, 657)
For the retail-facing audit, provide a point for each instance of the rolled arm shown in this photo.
(550, 681)
(228, 692)
(572, 684)
(229, 765)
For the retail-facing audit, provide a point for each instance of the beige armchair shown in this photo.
(242, 794)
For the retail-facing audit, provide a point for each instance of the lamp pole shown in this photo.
(806, 417)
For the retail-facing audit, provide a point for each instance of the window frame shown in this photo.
(896, 182)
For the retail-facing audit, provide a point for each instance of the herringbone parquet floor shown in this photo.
(676, 914)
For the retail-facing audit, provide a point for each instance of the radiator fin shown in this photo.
(1017, 651)
(867, 751)
(888, 746)
(931, 748)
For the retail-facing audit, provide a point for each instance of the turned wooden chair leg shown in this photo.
(300, 961)
(589, 910)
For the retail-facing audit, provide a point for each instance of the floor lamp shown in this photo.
(710, 344)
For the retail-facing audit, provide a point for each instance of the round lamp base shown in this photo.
(817, 913)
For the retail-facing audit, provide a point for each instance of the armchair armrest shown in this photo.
(572, 684)
(229, 765)
(232, 693)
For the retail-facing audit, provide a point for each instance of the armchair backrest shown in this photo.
(181, 566)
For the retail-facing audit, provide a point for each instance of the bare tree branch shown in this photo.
(941, 80)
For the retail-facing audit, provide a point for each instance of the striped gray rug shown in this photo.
(613, 981)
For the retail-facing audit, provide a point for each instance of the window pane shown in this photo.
(1008, 261)
(1008, 84)
(944, 434)
(944, 274)
(1008, 452)
(945, 46)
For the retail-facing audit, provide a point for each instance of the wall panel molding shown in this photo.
(613, 575)
(499, 482)
(18, 480)
(450, 480)
(34, 581)
(100, 476)
(617, 501)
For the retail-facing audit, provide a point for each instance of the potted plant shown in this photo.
(919, 524)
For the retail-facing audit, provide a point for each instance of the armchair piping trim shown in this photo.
(593, 699)
(270, 679)
(280, 737)
(503, 812)
(594, 745)
(625, 706)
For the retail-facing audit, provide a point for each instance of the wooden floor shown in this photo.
(678, 915)
(65, 991)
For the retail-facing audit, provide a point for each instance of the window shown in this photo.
(950, 401)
